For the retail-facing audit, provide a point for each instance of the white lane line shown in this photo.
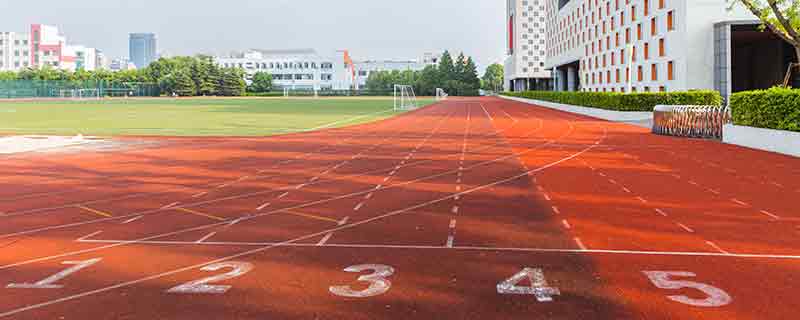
(770, 215)
(641, 199)
(566, 224)
(556, 210)
(378, 187)
(261, 207)
(689, 230)
(776, 184)
(170, 205)
(602, 174)
(368, 196)
(580, 244)
(661, 212)
(455, 209)
(386, 179)
(313, 179)
(547, 197)
(206, 237)
(132, 219)
(714, 191)
(627, 190)
(740, 202)
(283, 195)
(358, 206)
(716, 247)
(198, 195)
(324, 239)
(613, 181)
(693, 183)
(89, 235)
(457, 197)
(450, 240)
(223, 185)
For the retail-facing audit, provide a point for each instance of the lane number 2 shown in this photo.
(663, 279)
(378, 284)
(203, 286)
(50, 282)
(539, 287)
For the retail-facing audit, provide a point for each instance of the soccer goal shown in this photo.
(79, 94)
(440, 94)
(404, 98)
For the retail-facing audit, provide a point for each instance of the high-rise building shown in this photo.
(15, 51)
(660, 45)
(525, 66)
(142, 49)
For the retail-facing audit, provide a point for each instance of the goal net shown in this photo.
(404, 98)
(440, 94)
(79, 94)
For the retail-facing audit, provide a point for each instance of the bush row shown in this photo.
(624, 102)
(776, 108)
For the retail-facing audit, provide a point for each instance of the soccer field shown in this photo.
(190, 117)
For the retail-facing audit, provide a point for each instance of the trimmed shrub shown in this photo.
(624, 102)
(776, 108)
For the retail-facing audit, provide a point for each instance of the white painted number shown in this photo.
(377, 281)
(203, 286)
(538, 286)
(50, 282)
(716, 296)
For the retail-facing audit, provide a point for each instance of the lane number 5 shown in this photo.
(663, 279)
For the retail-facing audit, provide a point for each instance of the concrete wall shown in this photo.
(785, 142)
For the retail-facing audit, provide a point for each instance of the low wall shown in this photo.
(785, 142)
(641, 118)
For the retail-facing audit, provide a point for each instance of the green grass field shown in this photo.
(190, 117)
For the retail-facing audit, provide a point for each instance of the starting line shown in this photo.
(467, 248)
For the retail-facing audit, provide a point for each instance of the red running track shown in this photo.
(468, 209)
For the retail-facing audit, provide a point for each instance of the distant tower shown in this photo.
(142, 49)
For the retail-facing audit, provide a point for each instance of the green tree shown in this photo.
(493, 78)
(232, 82)
(470, 77)
(460, 68)
(428, 80)
(782, 17)
(184, 85)
(446, 67)
(262, 82)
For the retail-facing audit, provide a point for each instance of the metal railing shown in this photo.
(690, 121)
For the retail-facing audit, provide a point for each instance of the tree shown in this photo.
(262, 82)
(184, 86)
(470, 77)
(493, 78)
(460, 68)
(232, 82)
(446, 67)
(782, 17)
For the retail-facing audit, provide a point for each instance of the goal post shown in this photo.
(440, 94)
(404, 98)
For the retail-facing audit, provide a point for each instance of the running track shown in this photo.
(468, 209)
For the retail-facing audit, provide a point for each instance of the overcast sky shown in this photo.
(368, 28)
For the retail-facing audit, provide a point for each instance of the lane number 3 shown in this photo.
(378, 284)
(663, 279)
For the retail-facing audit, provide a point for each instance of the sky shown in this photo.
(374, 29)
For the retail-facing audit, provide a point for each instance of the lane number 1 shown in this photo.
(50, 282)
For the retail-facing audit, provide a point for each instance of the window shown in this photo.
(653, 26)
(671, 20)
(639, 31)
(661, 4)
(640, 73)
(671, 70)
(661, 48)
(646, 51)
(646, 7)
(654, 72)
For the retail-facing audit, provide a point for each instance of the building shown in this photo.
(43, 46)
(15, 51)
(142, 48)
(306, 69)
(116, 65)
(527, 48)
(658, 45)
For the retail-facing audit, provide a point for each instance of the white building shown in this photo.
(15, 51)
(306, 69)
(43, 46)
(652, 45)
(525, 66)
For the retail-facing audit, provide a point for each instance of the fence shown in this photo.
(28, 89)
(690, 121)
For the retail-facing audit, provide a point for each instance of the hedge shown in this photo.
(776, 108)
(624, 102)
